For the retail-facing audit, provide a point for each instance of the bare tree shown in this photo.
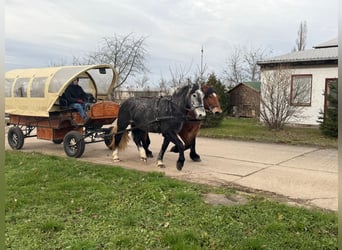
(61, 62)
(301, 37)
(179, 75)
(251, 57)
(234, 72)
(276, 95)
(126, 53)
(163, 86)
(242, 65)
(142, 82)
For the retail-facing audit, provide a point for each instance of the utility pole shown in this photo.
(201, 75)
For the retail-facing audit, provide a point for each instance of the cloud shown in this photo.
(44, 31)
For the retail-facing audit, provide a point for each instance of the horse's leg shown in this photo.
(164, 146)
(146, 143)
(138, 140)
(116, 147)
(174, 148)
(193, 155)
(179, 144)
(121, 129)
(188, 132)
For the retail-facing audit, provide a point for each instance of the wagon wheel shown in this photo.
(74, 144)
(15, 137)
(108, 138)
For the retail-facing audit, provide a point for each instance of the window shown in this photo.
(8, 87)
(301, 86)
(20, 87)
(38, 87)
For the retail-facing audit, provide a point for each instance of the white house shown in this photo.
(313, 70)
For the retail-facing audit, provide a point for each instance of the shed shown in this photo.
(244, 100)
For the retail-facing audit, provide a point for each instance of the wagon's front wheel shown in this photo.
(108, 137)
(74, 144)
(15, 137)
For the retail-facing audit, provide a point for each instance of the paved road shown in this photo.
(302, 175)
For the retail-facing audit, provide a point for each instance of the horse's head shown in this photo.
(211, 100)
(190, 98)
(197, 109)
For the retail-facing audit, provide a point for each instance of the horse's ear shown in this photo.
(199, 85)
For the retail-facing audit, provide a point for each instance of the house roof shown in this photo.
(253, 85)
(327, 44)
(326, 51)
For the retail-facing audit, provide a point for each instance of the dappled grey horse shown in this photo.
(164, 115)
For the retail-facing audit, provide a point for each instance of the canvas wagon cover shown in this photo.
(36, 91)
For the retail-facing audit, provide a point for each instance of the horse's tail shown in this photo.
(124, 139)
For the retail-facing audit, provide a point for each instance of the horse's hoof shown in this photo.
(144, 159)
(149, 154)
(180, 165)
(160, 164)
(116, 160)
(195, 157)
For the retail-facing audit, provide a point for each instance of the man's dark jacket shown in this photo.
(75, 92)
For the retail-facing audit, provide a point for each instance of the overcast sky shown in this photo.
(41, 32)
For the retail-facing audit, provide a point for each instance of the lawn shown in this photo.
(63, 203)
(252, 129)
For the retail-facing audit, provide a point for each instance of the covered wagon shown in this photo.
(35, 106)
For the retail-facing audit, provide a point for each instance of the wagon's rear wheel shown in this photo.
(74, 144)
(15, 137)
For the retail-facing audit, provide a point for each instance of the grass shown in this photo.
(63, 203)
(252, 129)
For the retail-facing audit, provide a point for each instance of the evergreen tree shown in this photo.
(212, 121)
(329, 119)
(220, 89)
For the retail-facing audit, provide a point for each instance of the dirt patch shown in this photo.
(221, 199)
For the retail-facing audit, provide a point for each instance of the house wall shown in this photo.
(309, 115)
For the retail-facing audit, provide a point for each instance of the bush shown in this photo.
(212, 121)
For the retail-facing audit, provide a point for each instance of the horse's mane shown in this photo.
(208, 90)
(184, 90)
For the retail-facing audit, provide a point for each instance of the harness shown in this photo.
(157, 117)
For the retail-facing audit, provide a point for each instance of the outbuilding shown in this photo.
(244, 100)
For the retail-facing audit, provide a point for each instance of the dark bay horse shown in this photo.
(190, 129)
(192, 126)
(164, 115)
